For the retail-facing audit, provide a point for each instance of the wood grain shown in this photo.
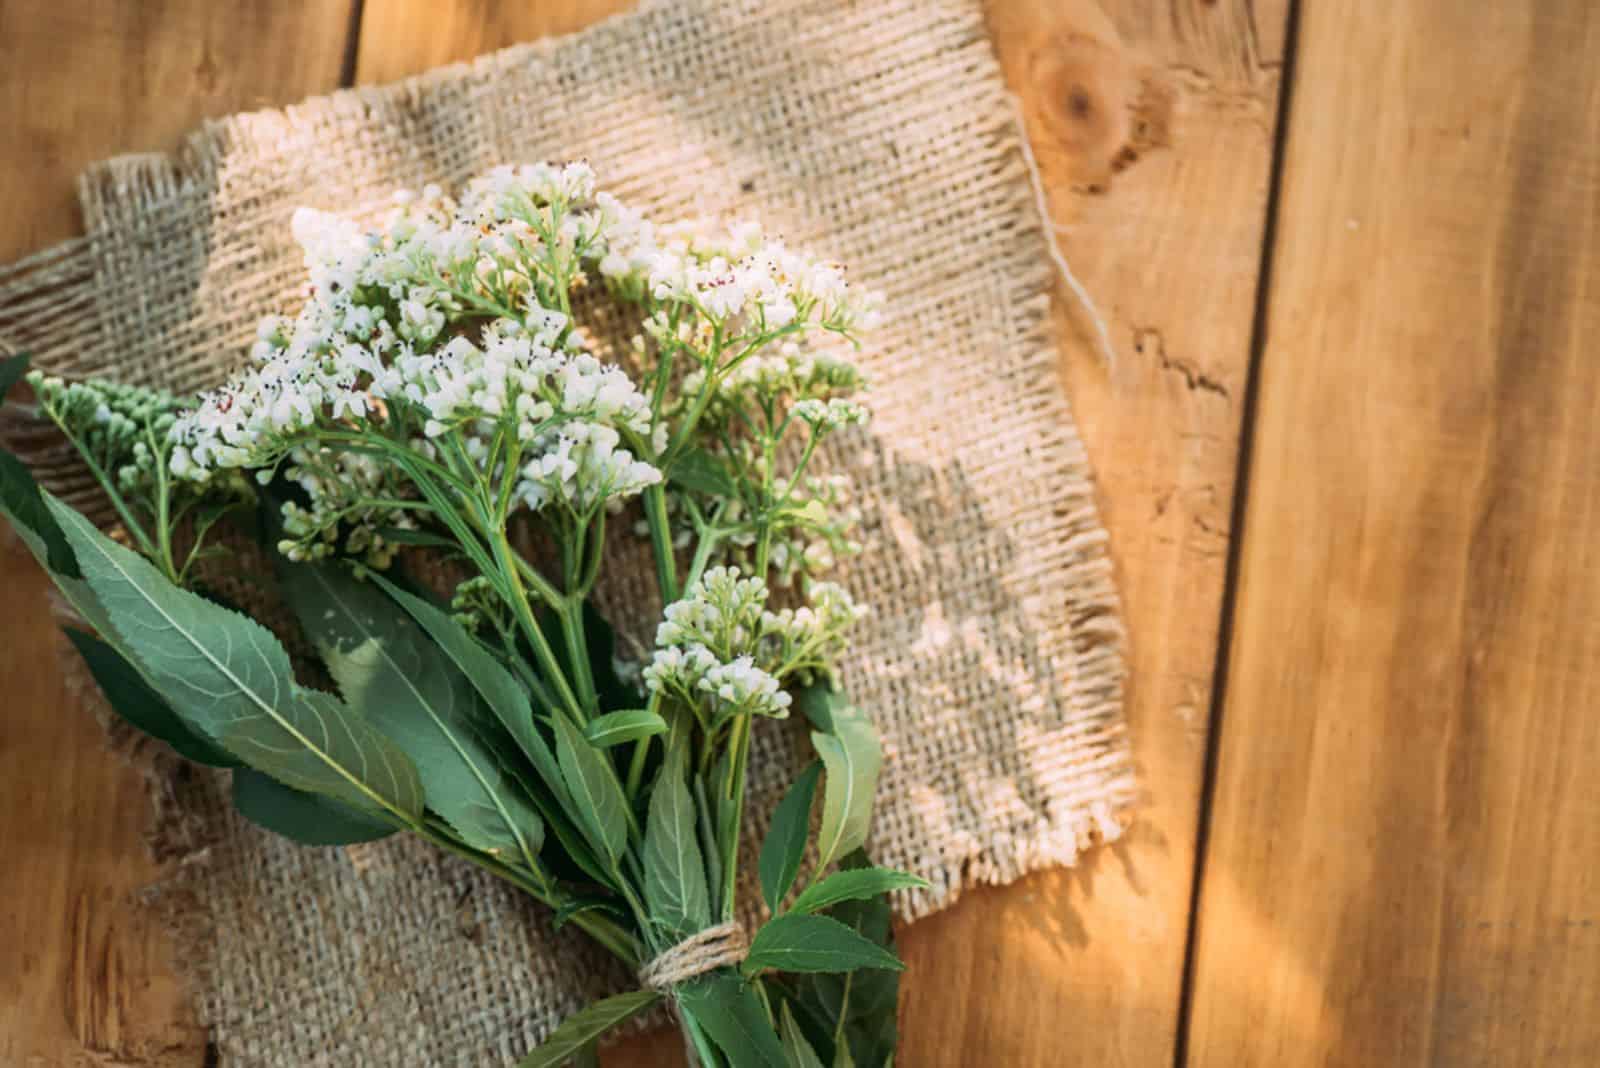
(1084, 967)
(85, 79)
(404, 37)
(85, 978)
(1406, 827)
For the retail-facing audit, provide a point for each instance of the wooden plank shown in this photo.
(1406, 830)
(84, 978)
(1084, 967)
(404, 37)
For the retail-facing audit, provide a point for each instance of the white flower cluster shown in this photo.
(722, 610)
(830, 612)
(567, 412)
(707, 647)
(721, 644)
(733, 275)
(452, 320)
(829, 415)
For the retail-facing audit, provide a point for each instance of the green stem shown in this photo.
(641, 750)
(708, 841)
(702, 556)
(578, 652)
(655, 513)
(164, 520)
(740, 744)
(517, 598)
(800, 468)
(134, 528)
(704, 1052)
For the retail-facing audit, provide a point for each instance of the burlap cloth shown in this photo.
(878, 132)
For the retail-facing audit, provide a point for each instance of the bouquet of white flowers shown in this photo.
(437, 393)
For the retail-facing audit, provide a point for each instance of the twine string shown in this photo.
(713, 948)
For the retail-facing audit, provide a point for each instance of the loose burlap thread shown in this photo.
(877, 132)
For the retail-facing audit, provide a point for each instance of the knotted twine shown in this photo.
(877, 133)
(716, 947)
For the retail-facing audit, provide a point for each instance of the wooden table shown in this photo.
(1349, 455)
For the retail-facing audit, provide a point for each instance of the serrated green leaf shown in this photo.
(615, 728)
(729, 1011)
(853, 757)
(309, 819)
(230, 680)
(136, 701)
(509, 702)
(801, 1055)
(12, 369)
(855, 885)
(698, 470)
(586, 1025)
(496, 685)
(800, 943)
(596, 793)
(390, 671)
(869, 1024)
(784, 848)
(674, 870)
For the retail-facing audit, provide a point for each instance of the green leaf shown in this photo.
(853, 758)
(865, 999)
(596, 793)
(574, 906)
(22, 502)
(136, 701)
(855, 885)
(729, 1011)
(309, 819)
(230, 680)
(586, 1025)
(11, 371)
(629, 725)
(674, 870)
(509, 702)
(698, 470)
(389, 670)
(799, 943)
(402, 536)
(801, 1055)
(496, 685)
(785, 845)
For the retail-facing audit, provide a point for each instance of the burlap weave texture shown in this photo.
(877, 132)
